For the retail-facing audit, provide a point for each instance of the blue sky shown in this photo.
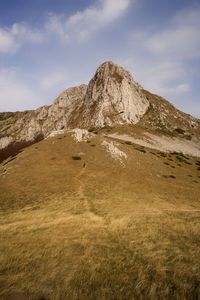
(49, 45)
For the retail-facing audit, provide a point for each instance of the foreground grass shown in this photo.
(93, 229)
(83, 256)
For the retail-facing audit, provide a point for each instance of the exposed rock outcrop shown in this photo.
(111, 98)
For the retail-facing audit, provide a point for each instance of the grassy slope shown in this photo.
(102, 231)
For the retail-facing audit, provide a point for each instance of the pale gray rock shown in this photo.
(112, 98)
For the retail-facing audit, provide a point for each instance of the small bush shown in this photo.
(169, 176)
(187, 162)
(179, 158)
(141, 150)
(188, 137)
(153, 153)
(93, 145)
(128, 142)
(172, 176)
(170, 159)
(91, 129)
(76, 157)
(180, 130)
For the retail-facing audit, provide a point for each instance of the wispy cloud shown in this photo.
(15, 93)
(51, 81)
(17, 35)
(75, 27)
(64, 47)
(181, 40)
(81, 24)
(56, 24)
(102, 13)
(164, 78)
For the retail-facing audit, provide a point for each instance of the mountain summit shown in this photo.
(112, 98)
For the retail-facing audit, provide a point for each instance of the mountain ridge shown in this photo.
(112, 98)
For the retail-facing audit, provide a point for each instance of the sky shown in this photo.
(47, 46)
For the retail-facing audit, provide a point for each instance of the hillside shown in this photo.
(78, 223)
(112, 98)
(106, 204)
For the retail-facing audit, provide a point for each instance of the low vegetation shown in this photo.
(76, 157)
(85, 233)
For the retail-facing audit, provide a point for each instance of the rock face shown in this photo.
(29, 125)
(111, 98)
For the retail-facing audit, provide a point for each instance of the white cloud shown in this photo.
(15, 93)
(56, 25)
(178, 89)
(22, 32)
(102, 13)
(181, 40)
(77, 26)
(17, 35)
(82, 23)
(164, 78)
(7, 42)
(51, 81)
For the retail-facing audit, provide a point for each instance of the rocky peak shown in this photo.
(112, 97)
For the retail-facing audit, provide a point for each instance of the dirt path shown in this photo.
(80, 189)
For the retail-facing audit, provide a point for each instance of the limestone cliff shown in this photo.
(112, 98)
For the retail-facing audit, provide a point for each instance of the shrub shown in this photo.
(172, 176)
(188, 137)
(91, 129)
(170, 159)
(180, 130)
(141, 150)
(128, 143)
(76, 157)
(169, 176)
(153, 153)
(162, 154)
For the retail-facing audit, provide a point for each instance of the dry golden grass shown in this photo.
(99, 231)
